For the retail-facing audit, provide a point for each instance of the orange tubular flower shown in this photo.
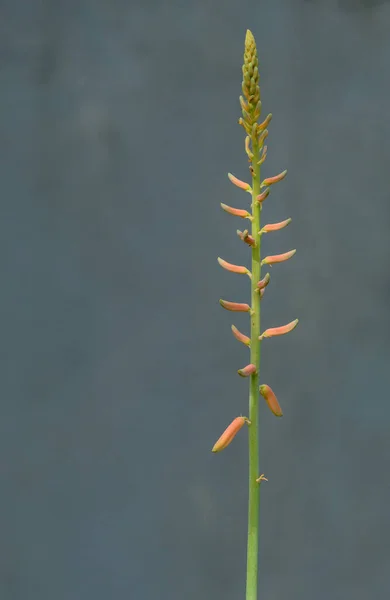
(240, 336)
(247, 371)
(277, 258)
(279, 330)
(275, 226)
(261, 197)
(235, 306)
(271, 400)
(230, 433)
(237, 212)
(264, 282)
(240, 184)
(274, 179)
(233, 268)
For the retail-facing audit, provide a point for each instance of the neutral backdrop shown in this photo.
(118, 125)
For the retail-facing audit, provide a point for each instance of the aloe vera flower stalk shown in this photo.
(256, 134)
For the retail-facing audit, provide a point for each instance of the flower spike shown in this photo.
(235, 306)
(247, 371)
(273, 331)
(240, 336)
(233, 268)
(271, 400)
(237, 212)
(230, 433)
(275, 226)
(240, 184)
(255, 138)
(277, 258)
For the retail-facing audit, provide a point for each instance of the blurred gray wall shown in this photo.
(117, 129)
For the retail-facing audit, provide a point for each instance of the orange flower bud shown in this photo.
(240, 336)
(245, 237)
(247, 117)
(275, 226)
(257, 112)
(246, 371)
(245, 125)
(262, 138)
(264, 282)
(240, 184)
(230, 433)
(265, 123)
(274, 179)
(237, 212)
(233, 268)
(277, 258)
(271, 400)
(279, 330)
(263, 156)
(243, 104)
(247, 147)
(261, 197)
(235, 306)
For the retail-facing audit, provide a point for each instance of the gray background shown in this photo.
(117, 129)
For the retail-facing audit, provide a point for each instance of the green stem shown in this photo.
(254, 487)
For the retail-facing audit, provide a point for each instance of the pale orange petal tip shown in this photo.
(229, 433)
(271, 400)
